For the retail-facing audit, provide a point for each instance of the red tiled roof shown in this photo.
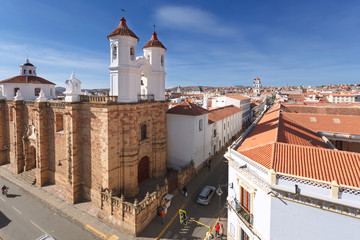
(27, 79)
(218, 114)
(154, 42)
(238, 97)
(123, 30)
(281, 141)
(189, 109)
(317, 163)
(328, 122)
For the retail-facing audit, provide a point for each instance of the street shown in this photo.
(172, 229)
(23, 217)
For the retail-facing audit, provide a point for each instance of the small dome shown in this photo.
(123, 30)
(154, 42)
(27, 63)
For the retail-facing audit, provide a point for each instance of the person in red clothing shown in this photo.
(217, 228)
(162, 216)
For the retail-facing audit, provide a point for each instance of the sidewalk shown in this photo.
(155, 227)
(71, 212)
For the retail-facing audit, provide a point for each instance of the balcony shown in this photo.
(145, 97)
(244, 214)
(241, 212)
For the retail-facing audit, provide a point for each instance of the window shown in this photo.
(200, 125)
(51, 91)
(224, 140)
(24, 71)
(162, 60)
(143, 132)
(245, 200)
(224, 126)
(214, 132)
(132, 53)
(16, 90)
(59, 122)
(29, 71)
(37, 91)
(244, 236)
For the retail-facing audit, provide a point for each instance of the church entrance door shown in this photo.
(143, 169)
(30, 160)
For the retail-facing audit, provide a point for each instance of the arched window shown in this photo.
(143, 132)
(132, 53)
(37, 91)
(59, 122)
(29, 71)
(24, 71)
(162, 60)
(114, 52)
(16, 90)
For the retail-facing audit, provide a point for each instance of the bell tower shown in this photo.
(154, 51)
(123, 70)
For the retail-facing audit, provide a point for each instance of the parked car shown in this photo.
(205, 195)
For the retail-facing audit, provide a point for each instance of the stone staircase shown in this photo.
(28, 176)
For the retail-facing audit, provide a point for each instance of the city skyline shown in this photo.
(209, 43)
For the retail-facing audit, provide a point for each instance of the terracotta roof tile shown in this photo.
(27, 79)
(238, 97)
(123, 30)
(154, 42)
(189, 109)
(326, 123)
(218, 114)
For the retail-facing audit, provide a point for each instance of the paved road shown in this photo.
(204, 214)
(23, 217)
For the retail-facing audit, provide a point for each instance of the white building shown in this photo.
(257, 86)
(195, 134)
(28, 84)
(343, 98)
(236, 100)
(132, 78)
(286, 182)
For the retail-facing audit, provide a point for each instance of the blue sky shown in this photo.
(213, 43)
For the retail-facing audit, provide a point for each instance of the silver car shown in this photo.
(205, 195)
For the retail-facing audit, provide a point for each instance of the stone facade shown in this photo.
(84, 147)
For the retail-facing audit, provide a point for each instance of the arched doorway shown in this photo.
(30, 160)
(143, 169)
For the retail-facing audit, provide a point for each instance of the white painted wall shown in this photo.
(28, 90)
(300, 222)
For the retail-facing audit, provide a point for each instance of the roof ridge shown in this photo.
(258, 146)
(322, 149)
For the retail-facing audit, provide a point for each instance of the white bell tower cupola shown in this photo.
(122, 68)
(27, 69)
(256, 86)
(154, 51)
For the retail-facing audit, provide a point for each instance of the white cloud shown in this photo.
(192, 19)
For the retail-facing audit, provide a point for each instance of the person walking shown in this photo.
(217, 229)
(221, 232)
(185, 191)
(162, 216)
(209, 165)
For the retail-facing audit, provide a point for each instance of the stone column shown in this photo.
(42, 146)
(4, 145)
(19, 129)
(73, 132)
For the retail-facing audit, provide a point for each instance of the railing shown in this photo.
(98, 99)
(241, 212)
(244, 214)
(145, 97)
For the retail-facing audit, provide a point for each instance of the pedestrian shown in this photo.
(209, 165)
(221, 232)
(185, 191)
(162, 216)
(217, 228)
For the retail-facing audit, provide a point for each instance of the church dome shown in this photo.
(154, 42)
(123, 30)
